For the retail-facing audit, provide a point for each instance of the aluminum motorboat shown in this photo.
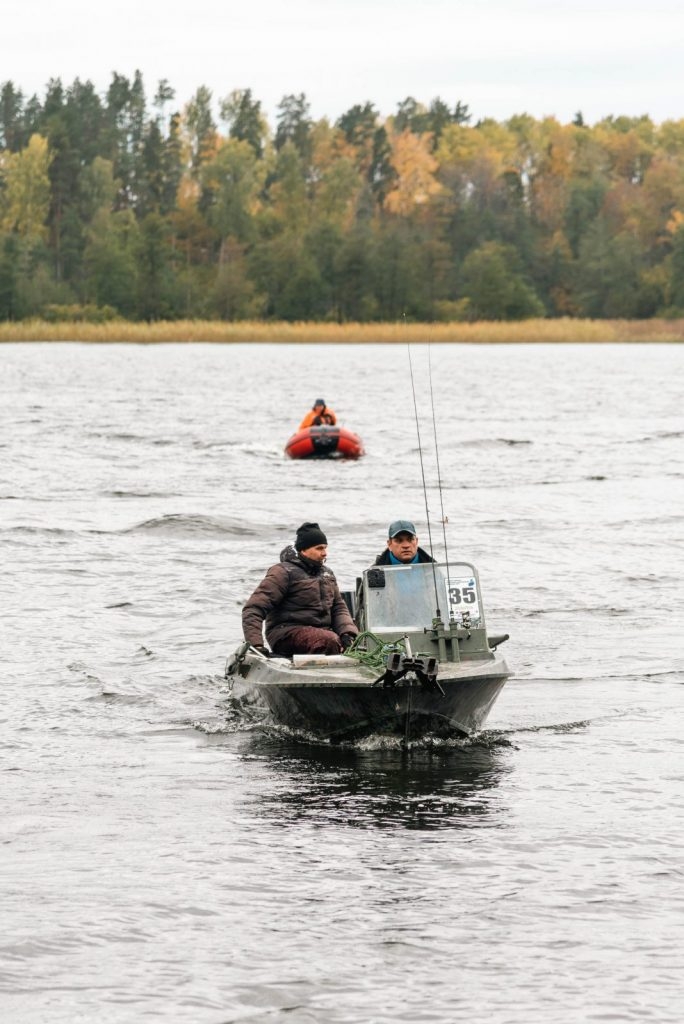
(422, 665)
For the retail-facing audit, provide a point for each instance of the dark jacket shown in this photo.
(295, 592)
(384, 558)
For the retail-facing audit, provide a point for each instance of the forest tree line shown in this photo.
(111, 205)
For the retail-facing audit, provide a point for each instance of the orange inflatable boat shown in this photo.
(324, 442)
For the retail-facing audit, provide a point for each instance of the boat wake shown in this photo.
(247, 714)
(237, 714)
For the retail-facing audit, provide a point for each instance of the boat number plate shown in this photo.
(461, 594)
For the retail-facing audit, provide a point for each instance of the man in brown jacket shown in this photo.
(300, 602)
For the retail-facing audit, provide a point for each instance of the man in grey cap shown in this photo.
(402, 545)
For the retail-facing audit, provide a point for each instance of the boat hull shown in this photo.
(341, 702)
(324, 442)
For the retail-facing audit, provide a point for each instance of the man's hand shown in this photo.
(347, 639)
(264, 651)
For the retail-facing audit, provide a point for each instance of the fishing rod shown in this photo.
(439, 474)
(422, 472)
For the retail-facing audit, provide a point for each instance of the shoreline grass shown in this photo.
(560, 331)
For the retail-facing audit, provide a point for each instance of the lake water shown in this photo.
(166, 856)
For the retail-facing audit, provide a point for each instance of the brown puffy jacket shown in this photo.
(295, 592)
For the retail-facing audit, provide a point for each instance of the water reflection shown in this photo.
(424, 788)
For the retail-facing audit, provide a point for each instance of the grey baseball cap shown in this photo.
(401, 526)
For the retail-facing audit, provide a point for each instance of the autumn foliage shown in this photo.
(115, 207)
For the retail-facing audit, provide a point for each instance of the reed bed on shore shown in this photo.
(220, 332)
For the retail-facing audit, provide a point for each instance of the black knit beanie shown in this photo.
(308, 536)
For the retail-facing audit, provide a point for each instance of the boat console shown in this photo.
(434, 606)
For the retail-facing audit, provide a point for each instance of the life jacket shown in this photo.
(313, 418)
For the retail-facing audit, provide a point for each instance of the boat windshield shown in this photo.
(406, 597)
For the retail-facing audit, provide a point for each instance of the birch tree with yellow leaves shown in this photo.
(25, 198)
(415, 167)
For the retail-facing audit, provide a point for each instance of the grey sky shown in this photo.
(535, 56)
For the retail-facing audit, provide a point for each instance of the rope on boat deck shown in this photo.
(376, 656)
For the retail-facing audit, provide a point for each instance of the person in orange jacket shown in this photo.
(319, 414)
